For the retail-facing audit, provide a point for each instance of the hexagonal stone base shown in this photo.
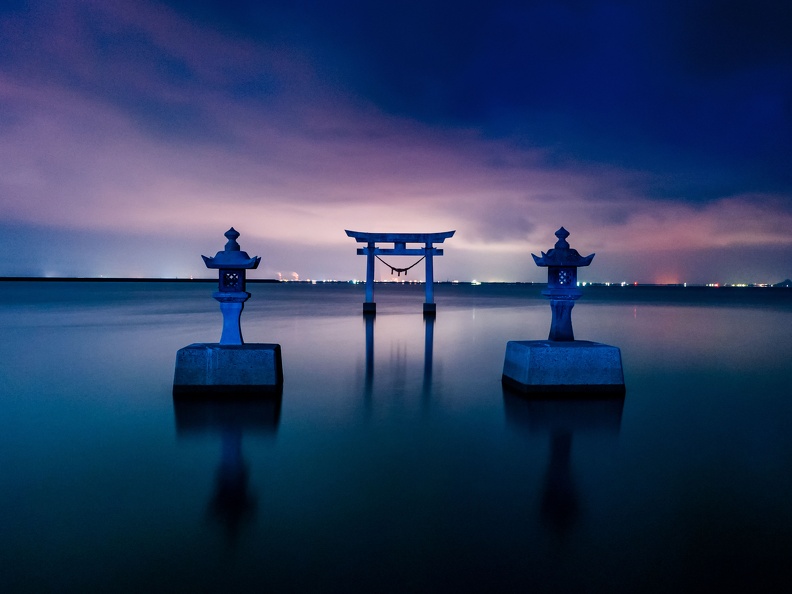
(577, 366)
(212, 368)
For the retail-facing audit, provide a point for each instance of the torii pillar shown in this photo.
(400, 241)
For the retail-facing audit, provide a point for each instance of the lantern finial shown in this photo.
(562, 244)
(232, 245)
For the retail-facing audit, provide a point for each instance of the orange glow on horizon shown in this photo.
(664, 278)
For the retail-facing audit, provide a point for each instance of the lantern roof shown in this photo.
(562, 254)
(232, 256)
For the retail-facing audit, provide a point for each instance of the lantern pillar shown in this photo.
(561, 320)
(231, 308)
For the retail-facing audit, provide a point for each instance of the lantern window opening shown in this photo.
(231, 280)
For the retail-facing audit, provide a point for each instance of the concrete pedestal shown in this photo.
(224, 369)
(576, 366)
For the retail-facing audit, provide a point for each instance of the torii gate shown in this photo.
(399, 241)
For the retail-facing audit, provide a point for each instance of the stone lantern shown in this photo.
(561, 363)
(562, 263)
(232, 264)
(230, 368)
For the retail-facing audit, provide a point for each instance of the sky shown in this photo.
(134, 133)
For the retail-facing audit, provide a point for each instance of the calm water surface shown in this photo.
(394, 461)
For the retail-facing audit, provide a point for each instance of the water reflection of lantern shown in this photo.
(561, 420)
(232, 503)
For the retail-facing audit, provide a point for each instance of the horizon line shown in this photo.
(786, 283)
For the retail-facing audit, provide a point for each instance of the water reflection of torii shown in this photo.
(399, 241)
(429, 322)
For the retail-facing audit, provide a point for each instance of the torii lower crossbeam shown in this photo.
(399, 241)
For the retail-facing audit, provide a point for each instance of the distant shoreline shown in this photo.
(71, 279)
(62, 279)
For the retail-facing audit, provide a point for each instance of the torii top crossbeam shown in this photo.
(363, 237)
(399, 241)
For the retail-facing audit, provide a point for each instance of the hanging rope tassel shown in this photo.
(397, 270)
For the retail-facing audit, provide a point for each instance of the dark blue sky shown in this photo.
(657, 132)
(652, 84)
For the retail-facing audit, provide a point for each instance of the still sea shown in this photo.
(394, 461)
